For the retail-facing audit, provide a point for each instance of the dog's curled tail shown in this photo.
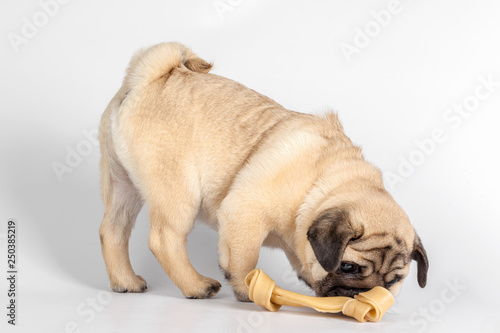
(158, 61)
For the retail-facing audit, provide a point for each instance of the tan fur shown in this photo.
(188, 143)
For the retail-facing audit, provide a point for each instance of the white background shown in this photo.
(394, 91)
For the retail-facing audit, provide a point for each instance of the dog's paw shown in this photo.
(207, 288)
(134, 284)
(241, 296)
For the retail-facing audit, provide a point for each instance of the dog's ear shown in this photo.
(329, 234)
(420, 256)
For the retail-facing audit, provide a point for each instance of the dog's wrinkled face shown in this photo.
(358, 247)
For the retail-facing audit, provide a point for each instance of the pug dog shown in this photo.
(196, 145)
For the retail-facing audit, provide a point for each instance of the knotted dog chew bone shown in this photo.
(367, 306)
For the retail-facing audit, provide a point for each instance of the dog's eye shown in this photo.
(348, 268)
(393, 281)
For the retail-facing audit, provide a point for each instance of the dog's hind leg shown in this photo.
(122, 204)
(174, 204)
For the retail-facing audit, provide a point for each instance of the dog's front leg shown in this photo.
(240, 239)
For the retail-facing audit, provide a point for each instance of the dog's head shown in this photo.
(359, 245)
